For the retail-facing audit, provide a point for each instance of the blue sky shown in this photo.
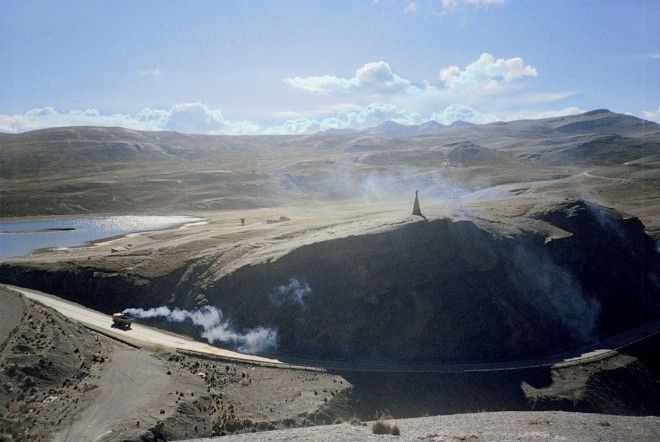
(302, 66)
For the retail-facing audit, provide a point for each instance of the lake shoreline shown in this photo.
(84, 232)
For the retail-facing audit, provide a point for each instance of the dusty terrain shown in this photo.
(62, 381)
(122, 392)
(609, 157)
(539, 240)
(504, 426)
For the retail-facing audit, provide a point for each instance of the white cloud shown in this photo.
(370, 115)
(199, 118)
(185, 117)
(374, 114)
(545, 97)
(411, 8)
(652, 115)
(150, 72)
(486, 74)
(376, 81)
(372, 78)
(655, 56)
(317, 111)
(457, 112)
(453, 4)
(535, 115)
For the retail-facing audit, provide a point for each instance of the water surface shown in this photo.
(21, 237)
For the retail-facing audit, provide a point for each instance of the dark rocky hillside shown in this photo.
(442, 290)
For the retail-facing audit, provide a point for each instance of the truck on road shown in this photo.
(122, 320)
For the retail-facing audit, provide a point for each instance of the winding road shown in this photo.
(142, 336)
(139, 335)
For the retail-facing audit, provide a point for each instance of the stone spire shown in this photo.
(416, 210)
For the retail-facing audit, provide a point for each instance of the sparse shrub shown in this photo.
(380, 427)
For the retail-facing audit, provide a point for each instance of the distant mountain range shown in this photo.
(112, 169)
(600, 119)
(393, 129)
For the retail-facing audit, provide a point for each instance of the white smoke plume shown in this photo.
(214, 327)
(554, 291)
(295, 292)
(400, 183)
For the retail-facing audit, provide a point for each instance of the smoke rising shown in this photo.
(214, 327)
(554, 291)
(294, 292)
(400, 183)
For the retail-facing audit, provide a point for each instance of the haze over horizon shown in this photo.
(301, 67)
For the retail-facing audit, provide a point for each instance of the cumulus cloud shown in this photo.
(652, 115)
(370, 115)
(486, 74)
(198, 118)
(372, 78)
(375, 114)
(453, 4)
(457, 112)
(185, 117)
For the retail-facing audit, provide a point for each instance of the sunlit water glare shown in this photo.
(21, 237)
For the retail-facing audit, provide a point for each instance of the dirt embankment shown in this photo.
(47, 364)
(61, 381)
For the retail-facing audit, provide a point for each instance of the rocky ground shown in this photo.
(49, 368)
(62, 381)
(73, 384)
(503, 426)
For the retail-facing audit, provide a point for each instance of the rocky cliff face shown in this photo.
(445, 290)
(428, 291)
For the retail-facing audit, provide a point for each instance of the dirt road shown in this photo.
(131, 389)
(141, 335)
(138, 335)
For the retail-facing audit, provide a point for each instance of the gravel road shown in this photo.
(138, 334)
(141, 335)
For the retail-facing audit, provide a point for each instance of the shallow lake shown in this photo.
(21, 237)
